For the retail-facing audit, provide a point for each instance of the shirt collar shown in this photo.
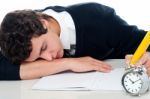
(60, 18)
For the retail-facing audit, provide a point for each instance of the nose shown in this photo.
(46, 56)
(49, 56)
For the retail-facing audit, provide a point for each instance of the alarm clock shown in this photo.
(135, 80)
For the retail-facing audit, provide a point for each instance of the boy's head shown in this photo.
(23, 36)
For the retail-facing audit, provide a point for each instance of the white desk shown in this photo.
(22, 90)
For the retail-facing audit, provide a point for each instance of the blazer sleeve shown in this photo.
(124, 38)
(8, 70)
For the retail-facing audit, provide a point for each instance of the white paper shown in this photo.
(109, 81)
(82, 81)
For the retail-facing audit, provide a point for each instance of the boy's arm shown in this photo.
(8, 70)
(124, 38)
(42, 68)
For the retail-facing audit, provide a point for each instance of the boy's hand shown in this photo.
(85, 64)
(145, 60)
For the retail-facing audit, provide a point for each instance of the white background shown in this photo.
(135, 12)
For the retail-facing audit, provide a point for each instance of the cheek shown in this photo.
(32, 57)
(53, 47)
(55, 44)
(59, 45)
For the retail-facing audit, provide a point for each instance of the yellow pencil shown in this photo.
(141, 49)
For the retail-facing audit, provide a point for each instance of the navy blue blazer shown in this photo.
(100, 33)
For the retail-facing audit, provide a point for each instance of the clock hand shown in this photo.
(131, 81)
(136, 80)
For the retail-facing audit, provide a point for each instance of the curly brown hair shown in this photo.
(16, 31)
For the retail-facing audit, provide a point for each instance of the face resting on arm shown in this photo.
(32, 34)
(32, 39)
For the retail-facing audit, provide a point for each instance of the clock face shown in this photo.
(132, 82)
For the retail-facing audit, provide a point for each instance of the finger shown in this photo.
(128, 58)
(147, 64)
(143, 59)
(101, 64)
(148, 71)
(106, 66)
(102, 68)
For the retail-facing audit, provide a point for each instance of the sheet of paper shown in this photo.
(82, 81)
(108, 81)
(65, 81)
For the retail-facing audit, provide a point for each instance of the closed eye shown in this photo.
(43, 48)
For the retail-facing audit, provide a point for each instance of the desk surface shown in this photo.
(22, 90)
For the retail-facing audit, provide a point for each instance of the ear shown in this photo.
(45, 23)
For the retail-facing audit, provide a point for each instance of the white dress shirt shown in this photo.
(67, 26)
